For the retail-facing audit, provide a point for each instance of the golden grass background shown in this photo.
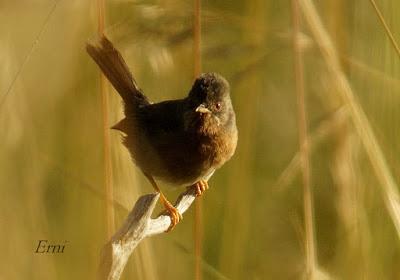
(51, 149)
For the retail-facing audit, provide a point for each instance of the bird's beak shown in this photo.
(202, 109)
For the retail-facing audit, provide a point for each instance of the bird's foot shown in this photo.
(173, 213)
(200, 187)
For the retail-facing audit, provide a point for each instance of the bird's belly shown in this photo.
(192, 163)
(185, 160)
(187, 172)
(197, 163)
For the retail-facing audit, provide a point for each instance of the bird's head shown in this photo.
(209, 107)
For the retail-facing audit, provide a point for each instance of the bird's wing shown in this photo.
(162, 119)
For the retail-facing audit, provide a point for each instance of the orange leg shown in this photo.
(174, 214)
(201, 186)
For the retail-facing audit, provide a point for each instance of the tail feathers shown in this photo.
(117, 72)
(122, 126)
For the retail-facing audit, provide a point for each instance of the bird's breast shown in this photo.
(218, 148)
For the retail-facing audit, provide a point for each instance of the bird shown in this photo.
(182, 141)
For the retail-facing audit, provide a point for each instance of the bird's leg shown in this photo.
(200, 187)
(174, 214)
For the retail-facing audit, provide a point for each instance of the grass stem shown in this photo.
(385, 26)
(198, 223)
(304, 144)
(109, 192)
(377, 159)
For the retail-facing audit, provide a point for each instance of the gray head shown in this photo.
(209, 104)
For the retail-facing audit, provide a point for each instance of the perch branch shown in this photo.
(137, 226)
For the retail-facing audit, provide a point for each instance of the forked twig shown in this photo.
(137, 226)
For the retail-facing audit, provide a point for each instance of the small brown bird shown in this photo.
(178, 141)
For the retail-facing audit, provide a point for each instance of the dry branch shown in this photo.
(137, 226)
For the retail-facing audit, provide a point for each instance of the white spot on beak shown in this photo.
(202, 109)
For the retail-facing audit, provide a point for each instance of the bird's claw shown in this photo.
(200, 187)
(174, 214)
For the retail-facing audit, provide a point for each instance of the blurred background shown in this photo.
(52, 145)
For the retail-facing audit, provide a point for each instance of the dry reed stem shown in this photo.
(109, 192)
(385, 26)
(198, 219)
(360, 120)
(311, 258)
(325, 128)
(371, 71)
(29, 53)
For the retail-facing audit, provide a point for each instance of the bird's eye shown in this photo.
(218, 106)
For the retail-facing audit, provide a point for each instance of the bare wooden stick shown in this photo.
(137, 226)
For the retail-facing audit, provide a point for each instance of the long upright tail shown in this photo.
(117, 72)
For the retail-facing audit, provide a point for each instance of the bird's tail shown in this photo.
(110, 61)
